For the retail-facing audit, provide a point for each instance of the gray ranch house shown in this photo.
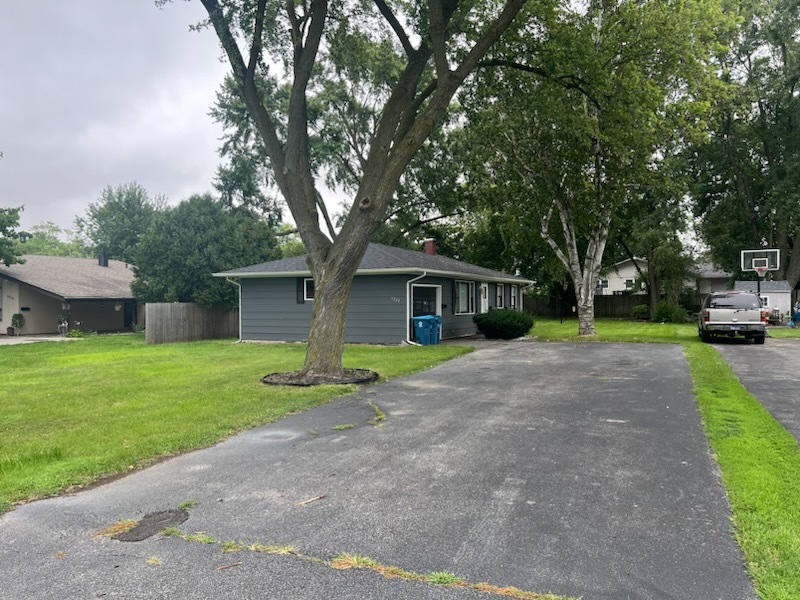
(391, 286)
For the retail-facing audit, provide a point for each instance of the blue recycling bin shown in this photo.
(426, 329)
(436, 333)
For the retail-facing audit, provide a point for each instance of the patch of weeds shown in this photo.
(443, 578)
(231, 546)
(380, 416)
(201, 537)
(187, 504)
(60, 554)
(343, 427)
(279, 549)
(154, 560)
(353, 561)
(115, 528)
(398, 573)
(313, 432)
(172, 532)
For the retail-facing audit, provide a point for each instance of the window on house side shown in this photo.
(501, 296)
(309, 289)
(514, 293)
(465, 297)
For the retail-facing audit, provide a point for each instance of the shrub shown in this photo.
(667, 312)
(641, 312)
(504, 323)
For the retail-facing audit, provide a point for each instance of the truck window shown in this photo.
(735, 301)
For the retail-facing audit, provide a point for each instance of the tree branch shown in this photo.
(395, 25)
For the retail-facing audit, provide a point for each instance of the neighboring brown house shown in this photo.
(94, 294)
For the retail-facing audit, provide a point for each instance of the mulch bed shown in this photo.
(301, 379)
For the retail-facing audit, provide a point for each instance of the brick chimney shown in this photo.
(430, 246)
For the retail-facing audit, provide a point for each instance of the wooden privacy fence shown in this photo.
(615, 307)
(187, 322)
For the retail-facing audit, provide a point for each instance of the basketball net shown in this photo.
(761, 272)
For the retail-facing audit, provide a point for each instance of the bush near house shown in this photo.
(504, 324)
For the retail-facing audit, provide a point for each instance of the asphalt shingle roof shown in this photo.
(73, 278)
(379, 257)
(766, 286)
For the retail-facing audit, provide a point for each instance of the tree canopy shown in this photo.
(185, 244)
(10, 237)
(117, 220)
(371, 81)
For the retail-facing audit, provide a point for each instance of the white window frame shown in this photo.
(500, 296)
(470, 298)
(514, 297)
(306, 296)
(764, 301)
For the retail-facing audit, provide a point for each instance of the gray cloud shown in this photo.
(103, 92)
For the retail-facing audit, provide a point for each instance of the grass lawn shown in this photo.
(76, 411)
(759, 460)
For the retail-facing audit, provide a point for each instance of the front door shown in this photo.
(425, 300)
(484, 297)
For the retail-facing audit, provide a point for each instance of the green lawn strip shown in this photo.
(609, 330)
(77, 411)
(760, 465)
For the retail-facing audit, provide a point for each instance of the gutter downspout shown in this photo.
(408, 306)
(238, 285)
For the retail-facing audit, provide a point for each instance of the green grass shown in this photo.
(759, 460)
(74, 412)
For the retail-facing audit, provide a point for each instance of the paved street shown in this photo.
(576, 469)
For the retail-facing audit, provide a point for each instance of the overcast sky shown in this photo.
(103, 92)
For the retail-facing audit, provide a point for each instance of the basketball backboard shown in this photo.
(765, 257)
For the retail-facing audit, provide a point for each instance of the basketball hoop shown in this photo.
(761, 271)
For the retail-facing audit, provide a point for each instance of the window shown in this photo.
(629, 284)
(500, 302)
(465, 297)
(308, 289)
(514, 294)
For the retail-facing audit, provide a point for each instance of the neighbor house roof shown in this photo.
(707, 270)
(766, 286)
(381, 260)
(70, 278)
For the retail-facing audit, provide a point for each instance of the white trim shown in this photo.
(409, 308)
(484, 297)
(514, 298)
(237, 284)
(438, 296)
(500, 296)
(396, 271)
(470, 297)
(306, 297)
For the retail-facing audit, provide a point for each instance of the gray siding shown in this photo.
(376, 312)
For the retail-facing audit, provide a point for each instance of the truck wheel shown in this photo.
(758, 339)
(705, 336)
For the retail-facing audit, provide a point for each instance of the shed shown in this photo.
(391, 286)
(774, 294)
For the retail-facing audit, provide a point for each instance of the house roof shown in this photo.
(766, 286)
(381, 260)
(708, 270)
(71, 278)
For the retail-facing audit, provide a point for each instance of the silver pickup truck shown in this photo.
(732, 314)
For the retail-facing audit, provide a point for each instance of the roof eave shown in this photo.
(396, 271)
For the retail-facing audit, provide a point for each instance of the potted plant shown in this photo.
(17, 322)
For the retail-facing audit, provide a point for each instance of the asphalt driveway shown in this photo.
(771, 373)
(576, 469)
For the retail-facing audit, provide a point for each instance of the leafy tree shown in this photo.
(10, 251)
(46, 239)
(578, 126)
(406, 61)
(116, 221)
(185, 244)
(747, 192)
